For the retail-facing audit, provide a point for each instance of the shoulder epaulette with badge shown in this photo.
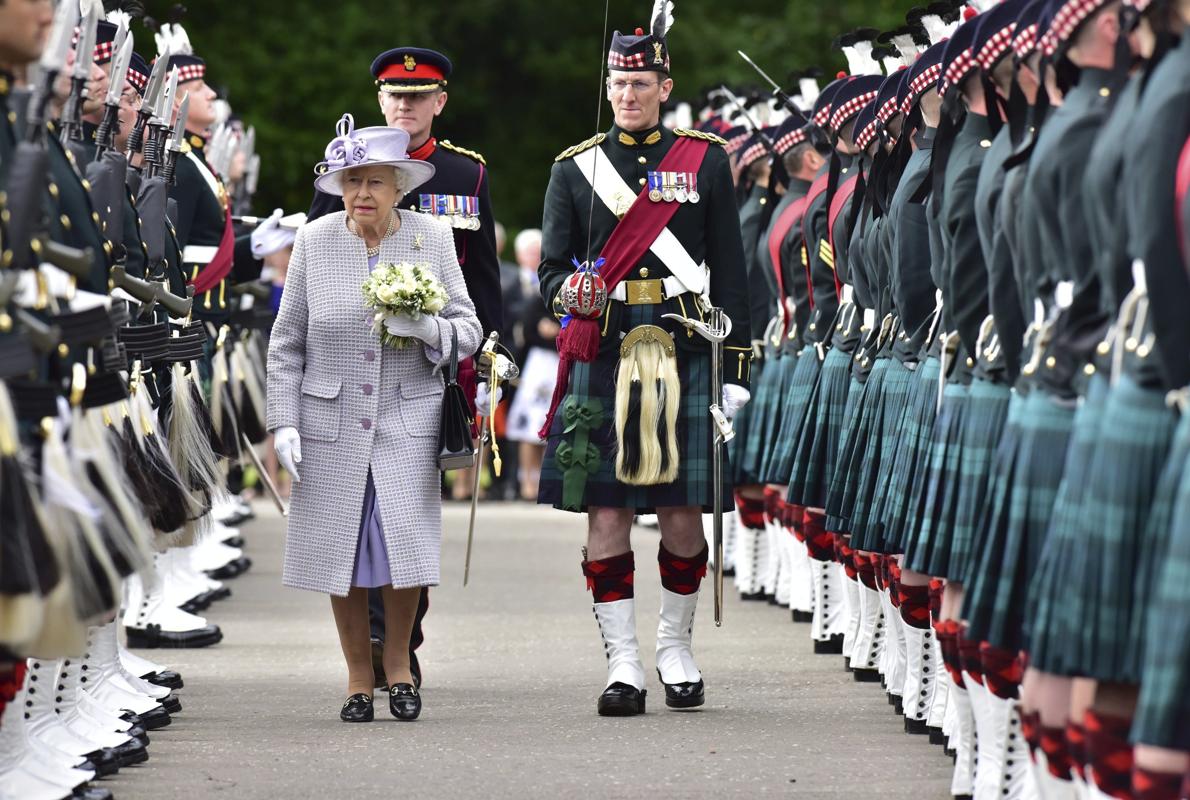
(704, 135)
(471, 154)
(571, 152)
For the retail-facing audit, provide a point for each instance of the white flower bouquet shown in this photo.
(404, 288)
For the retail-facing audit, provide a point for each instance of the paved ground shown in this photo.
(513, 665)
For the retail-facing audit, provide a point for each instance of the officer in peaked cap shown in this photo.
(411, 84)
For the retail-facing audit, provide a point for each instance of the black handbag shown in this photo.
(455, 448)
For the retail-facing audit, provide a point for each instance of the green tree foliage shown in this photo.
(527, 74)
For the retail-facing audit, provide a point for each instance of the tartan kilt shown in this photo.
(901, 386)
(597, 380)
(743, 423)
(928, 551)
(1017, 517)
(794, 402)
(987, 409)
(765, 437)
(1054, 635)
(840, 498)
(1136, 435)
(818, 444)
(908, 466)
(889, 394)
(1163, 709)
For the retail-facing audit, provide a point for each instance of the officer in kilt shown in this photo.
(632, 433)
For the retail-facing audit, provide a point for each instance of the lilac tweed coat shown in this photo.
(358, 404)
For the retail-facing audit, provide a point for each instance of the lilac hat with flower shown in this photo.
(368, 147)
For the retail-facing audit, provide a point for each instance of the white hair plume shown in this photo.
(662, 18)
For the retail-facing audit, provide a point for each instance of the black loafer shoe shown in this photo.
(404, 702)
(151, 636)
(167, 678)
(358, 708)
(684, 695)
(378, 664)
(621, 700)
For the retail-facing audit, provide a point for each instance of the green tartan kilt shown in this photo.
(889, 397)
(1136, 435)
(847, 438)
(818, 444)
(900, 390)
(749, 444)
(793, 411)
(1017, 517)
(597, 381)
(737, 448)
(1163, 710)
(783, 369)
(928, 550)
(909, 463)
(1066, 563)
(987, 409)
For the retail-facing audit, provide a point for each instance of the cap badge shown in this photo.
(410, 63)
(657, 59)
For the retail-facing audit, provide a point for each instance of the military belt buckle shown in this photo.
(643, 293)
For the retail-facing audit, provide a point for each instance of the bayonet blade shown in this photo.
(164, 108)
(53, 58)
(759, 71)
(180, 125)
(84, 53)
(120, 68)
(155, 85)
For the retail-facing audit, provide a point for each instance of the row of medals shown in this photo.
(669, 187)
(461, 222)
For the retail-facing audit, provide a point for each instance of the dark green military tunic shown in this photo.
(821, 261)
(754, 220)
(710, 232)
(913, 288)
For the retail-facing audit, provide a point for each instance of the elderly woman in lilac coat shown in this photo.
(356, 421)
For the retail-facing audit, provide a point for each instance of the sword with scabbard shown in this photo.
(498, 367)
(715, 329)
(778, 92)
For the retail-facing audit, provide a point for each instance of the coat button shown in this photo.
(366, 424)
(369, 355)
(367, 389)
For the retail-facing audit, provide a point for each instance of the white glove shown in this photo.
(422, 327)
(483, 400)
(734, 398)
(288, 445)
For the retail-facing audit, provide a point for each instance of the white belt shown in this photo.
(672, 286)
(198, 253)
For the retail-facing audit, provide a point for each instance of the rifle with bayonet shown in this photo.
(107, 172)
(778, 92)
(27, 225)
(105, 136)
(148, 106)
(159, 128)
(84, 56)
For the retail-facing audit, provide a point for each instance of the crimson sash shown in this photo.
(219, 266)
(1182, 188)
(645, 219)
(816, 188)
(842, 195)
(790, 216)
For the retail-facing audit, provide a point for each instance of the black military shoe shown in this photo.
(151, 636)
(131, 752)
(802, 616)
(171, 703)
(684, 695)
(621, 700)
(105, 760)
(831, 646)
(151, 720)
(88, 792)
(358, 708)
(167, 678)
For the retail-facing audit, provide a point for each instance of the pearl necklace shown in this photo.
(373, 252)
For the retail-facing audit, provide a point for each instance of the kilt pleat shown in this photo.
(893, 391)
(597, 380)
(1066, 562)
(840, 498)
(983, 427)
(1017, 517)
(904, 481)
(775, 414)
(1163, 709)
(1136, 435)
(929, 550)
(747, 422)
(818, 444)
(794, 404)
